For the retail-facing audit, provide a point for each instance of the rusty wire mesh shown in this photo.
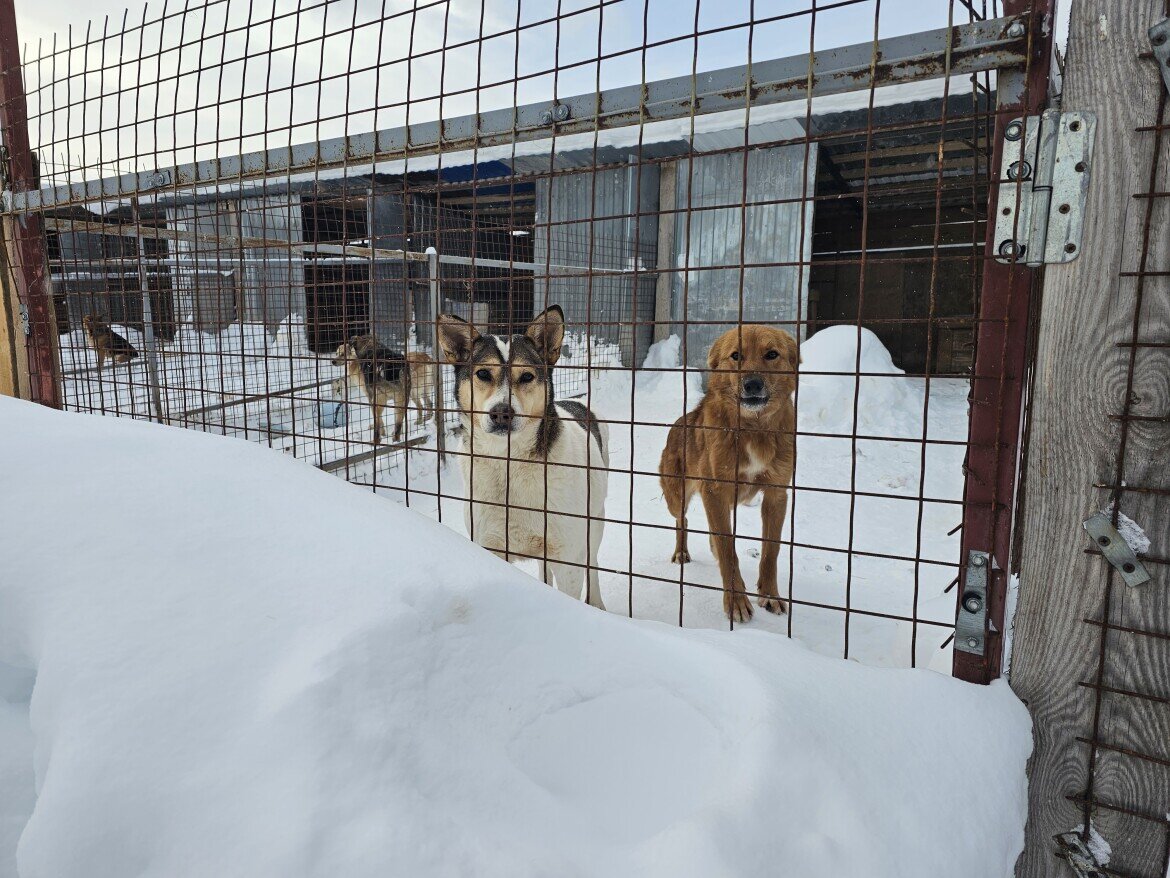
(211, 190)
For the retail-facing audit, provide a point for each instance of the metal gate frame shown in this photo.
(1002, 364)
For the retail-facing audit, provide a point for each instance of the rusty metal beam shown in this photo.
(1002, 361)
(24, 236)
(959, 50)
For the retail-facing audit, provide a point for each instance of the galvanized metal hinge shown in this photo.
(1160, 43)
(1043, 186)
(25, 325)
(971, 623)
(1116, 550)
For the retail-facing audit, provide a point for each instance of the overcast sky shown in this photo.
(270, 91)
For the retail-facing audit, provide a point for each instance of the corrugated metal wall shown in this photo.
(273, 280)
(610, 306)
(706, 289)
(389, 311)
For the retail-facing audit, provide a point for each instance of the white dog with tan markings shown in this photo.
(534, 469)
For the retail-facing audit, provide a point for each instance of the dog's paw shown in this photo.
(737, 606)
(773, 604)
(682, 557)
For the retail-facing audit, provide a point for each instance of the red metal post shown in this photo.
(1001, 362)
(25, 232)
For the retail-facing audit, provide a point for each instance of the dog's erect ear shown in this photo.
(547, 332)
(456, 337)
(716, 353)
(794, 356)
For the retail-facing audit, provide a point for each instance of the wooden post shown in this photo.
(26, 266)
(666, 221)
(13, 362)
(1083, 364)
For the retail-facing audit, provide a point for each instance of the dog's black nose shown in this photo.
(501, 415)
(753, 386)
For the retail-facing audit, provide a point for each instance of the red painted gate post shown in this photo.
(1001, 363)
(24, 233)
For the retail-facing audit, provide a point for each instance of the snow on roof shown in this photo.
(244, 666)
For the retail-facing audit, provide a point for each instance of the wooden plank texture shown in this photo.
(1081, 383)
(13, 358)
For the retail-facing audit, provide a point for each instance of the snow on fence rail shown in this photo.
(502, 164)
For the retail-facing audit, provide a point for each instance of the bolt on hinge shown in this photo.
(1043, 185)
(971, 622)
(1116, 550)
(1160, 43)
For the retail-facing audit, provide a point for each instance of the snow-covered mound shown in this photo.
(887, 403)
(246, 667)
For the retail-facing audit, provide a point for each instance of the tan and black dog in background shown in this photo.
(422, 383)
(105, 342)
(382, 374)
(739, 441)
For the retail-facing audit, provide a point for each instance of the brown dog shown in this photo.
(106, 342)
(740, 440)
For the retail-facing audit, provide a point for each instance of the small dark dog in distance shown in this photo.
(106, 343)
(381, 374)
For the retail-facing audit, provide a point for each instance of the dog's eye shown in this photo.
(483, 375)
(771, 355)
(526, 377)
(735, 355)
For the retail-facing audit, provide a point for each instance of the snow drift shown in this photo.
(246, 667)
(887, 404)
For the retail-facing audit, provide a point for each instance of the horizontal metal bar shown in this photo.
(1125, 751)
(228, 243)
(1078, 799)
(1129, 693)
(960, 50)
(250, 398)
(331, 466)
(1142, 632)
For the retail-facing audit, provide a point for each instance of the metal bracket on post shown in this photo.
(1160, 43)
(1116, 550)
(152, 358)
(971, 623)
(25, 325)
(1043, 186)
(1080, 856)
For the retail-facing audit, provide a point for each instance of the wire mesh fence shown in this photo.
(253, 218)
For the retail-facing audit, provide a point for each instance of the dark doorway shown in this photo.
(338, 301)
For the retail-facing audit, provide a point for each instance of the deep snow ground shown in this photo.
(244, 666)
